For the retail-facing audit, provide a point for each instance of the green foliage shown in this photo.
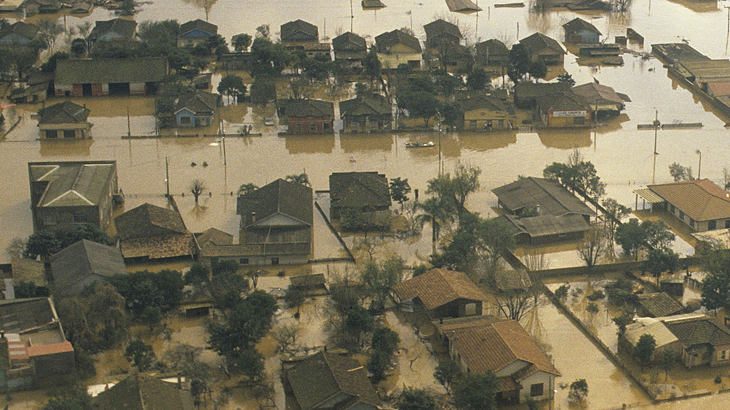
(198, 274)
(660, 261)
(644, 349)
(621, 323)
(294, 298)
(246, 189)
(578, 391)
(621, 292)
(232, 86)
(716, 283)
(85, 368)
(385, 340)
(263, 90)
(140, 354)
(657, 234)
(399, 190)
(615, 212)
(519, 63)
(69, 399)
(302, 179)
(577, 175)
(596, 295)
(667, 360)
(477, 79)
(127, 8)
(451, 114)
(562, 292)
(566, 78)
(241, 42)
(453, 190)
(371, 64)
(359, 321)
(592, 308)
(448, 373)
(227, 286)
(537, 69)
(142, 289)
(47, 242)
(379, 279)
(476, 392)
(268, 59)
(416, 399)
(631, 237)
(378, 363)
(151, 316)
(79, 47)
(680, 173)
(29, 290)
(420, 270)
(446, 83)
(420, 104)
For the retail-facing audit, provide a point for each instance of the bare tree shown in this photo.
(16, 248)
(535, 259)
(196, 188)
(594, 246)
(286, 335)
(514, 304)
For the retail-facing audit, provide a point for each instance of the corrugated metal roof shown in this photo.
(649, 195)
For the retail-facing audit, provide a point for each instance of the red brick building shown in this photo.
(307, 116)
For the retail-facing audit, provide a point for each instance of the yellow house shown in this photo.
(396, 47)
(564, 110)
(487, 114)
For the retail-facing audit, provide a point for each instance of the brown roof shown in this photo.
(149, 220)
(214, 235)
(438, 287)
(700, 199)
(491, 344)
(159, 247)
(51, 348)
(660, 304)
(140, 392)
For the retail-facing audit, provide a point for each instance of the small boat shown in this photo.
(419, 144)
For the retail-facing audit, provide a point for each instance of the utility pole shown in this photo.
(699, 166)
(129, 124)
(167, 178)
(223, 142)
(656, 129)
(352, 17)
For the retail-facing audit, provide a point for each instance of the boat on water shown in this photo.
(419, 144)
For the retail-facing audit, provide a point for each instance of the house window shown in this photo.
(325, 126)
(51, 134)
(489, 123)
(313, 127)
(69, 134)
(500, 123)
(472, 124)
(243, 261)
(274, 261)
(691, 222)
(671, 208)
(579, 120)
(681, 215)
(712, 225)
(80, 218)
(723, 355)
(185, 120)
(299, 128)
(536, 390)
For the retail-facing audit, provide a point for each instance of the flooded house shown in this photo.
(18, 34)
(397, 47)
(83, 263)
(443, 45)
(442, 33)
(69, 193)
(441, 293)
(540, 210)
(150, 232)
(544, 49)
(564, 109)
(196, 32)
(658, 304)
(275, 228)
(501, 346)
(196, 108)
(109, 76)
(492, 53)
(328, 381)
(366, 113)
(579, 31)
(34, 351)
(365, 192)
(41, 6)
(139, 391)
(487, 113)
(604, 101)
(38, 86)
(307, 116)
(699, 204)
(526, 93)
(301, 36)
(350, 49)
(116, 30)
(64, 120)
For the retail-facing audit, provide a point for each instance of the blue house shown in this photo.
(196, 109)
(579, 31)
(196, 32)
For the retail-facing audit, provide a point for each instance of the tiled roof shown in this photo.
(562, 101)
(325, 375)
(20, 28)
(374, 104)
(280, 197)
(359, 189)
(63, 113)
(578, 24)
(700, 199)
(438, 287)
(298, 26)
(538, 42)
(552, 197)
(111, 70)
(388, 39)
(72, 183)
(72, 265)
(349, 42)
(159, 247)
(199, 24)
(660, 304)
(492, 47)
(197, 101)
(438, 27)
(149, 220)
(51, 348)
(491, 344)
(546, 225)
(694, 331)
(120, 26)
(215, 236)
(18, 315)
(141, 392)
(593, 92)
(488, 102)
(308, 108)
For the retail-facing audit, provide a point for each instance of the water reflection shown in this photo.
(309, 144)
(366, 142)
(565, 139)
(487, 141)
(698, 6)
(63, 148)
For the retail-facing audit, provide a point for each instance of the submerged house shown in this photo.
(503, 347)
(117, 30)
(579, 31)
(150, 232)
(368, 113)
(18, 34)
(486, 113)
(64, 120)
(307, 116)
(492, 53)
(603, 100)
(700, 204)
(83, 263)
(300, 36)
(366, 192)
(139, 391)
(396, 47)
(442, 293)
(543, 48)
(109, 76)
(350, 49)
(196, 32)
(564, 109)
(196, 108)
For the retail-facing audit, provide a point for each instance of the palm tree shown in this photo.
(299, 179)
(436, 212)
(245, 189)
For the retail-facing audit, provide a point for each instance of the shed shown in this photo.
(82, 264)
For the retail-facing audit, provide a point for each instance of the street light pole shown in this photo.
(699, 166)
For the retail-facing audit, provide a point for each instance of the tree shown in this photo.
(29, 290)
(716, 283)
(593, 247)
(667, 360)
(196, 188)
(680, 173)
(42, 243)
(476, 392)
(378, 363)
(567, 79)
(379, 279)
(50, 65)
(295, 298)
(419, 103)
(371, 65)
(302, 179)
(127, 8)
(519, 63)
(615, 212)
(245, 189)
(578, 391)
(657, 234)
(140, 354)
(69, 399)
(263, 90)
(577, 175)
(232, 86)
(385, 340)
(142, 289)
(47, 242)
(477, 79)
(79, 47)
(537, 69)
(416, 399)
(620, 292)
(631, 237)
(644, 349)
(494, 239)
(357, 323)
(446, 83)
(151, 316)
(453, 191)
(49, 30)
(263, 31)
(660, 261)
(399, 190)
(241, 42)
(197, 274)
(268, 59)
(448, 373)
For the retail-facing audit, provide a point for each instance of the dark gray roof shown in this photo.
(374, 104)
(149, 220)
(73, 266)
(324, 375)
(546, 225)
(485, 101)
(578, 24)
(17, 315)
(280, 197)
(309, 108)
(660, 304)
(122, 27)
(372, 4)
(528, 89)
(111, 70)
(72, 183)
(199, 24)
(141, 392)
(699, 331)
(197, 101)
(492, 47)
(552, 197)
(308, 281)
(349, 42)
(63, 113)
(289, 30)
(20, 28)
(562, 100)
(359, 189)
(439, 27)
(387, 40)
(537, 42)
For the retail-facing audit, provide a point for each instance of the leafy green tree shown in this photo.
(241, 42)
(127, 8)
(69, 399)
(263, 90)
(631, 237)
(142, 289)
(453, 191)
(79, 47)
(519, 63)
(399, 190)
(268, 59)
(578, 391)
(232, 86)
(716, 283)
(495, 238)
(660, 261)
(385, 340)
(620, 292)
(657, 234)
(302, 179)
(245, 189)
(680, 173)
(42, 243)
(379, 279)
(371, 65)
(621, 323)
(566, 78)
(667, 360)
(413, 398)
(197, 274)
(537, 70)
(577, 175)
(46, 242)
(160, 37)
(227, 287)
(644, 349)
(357, 323)
(140, 354)
(50, 65)
(420, 104)
(477, 79)
(295, 298)
(446, 83)
(29, 290)
(378, 364)
(476, 392)
(615, 212)
(448, 373)
(452, 114)
(151, 316)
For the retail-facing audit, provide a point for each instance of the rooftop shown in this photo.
(359, 190)
(538, 42)
(700, 199)
(111, 70)
(72, 183)
(63, 113)
(388, 39)
(122, 27)
(278, 203)
(438, 287)
(199, 24)
(550, 196)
